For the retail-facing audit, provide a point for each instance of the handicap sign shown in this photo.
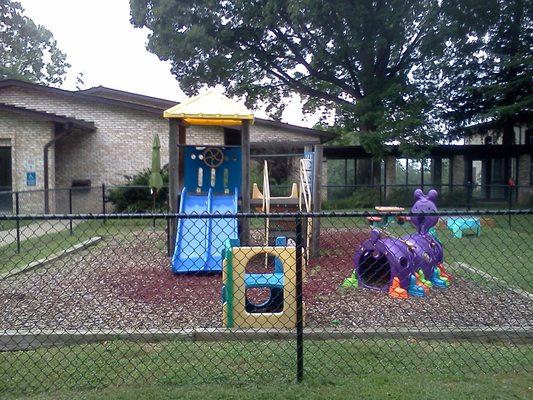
(31, 178)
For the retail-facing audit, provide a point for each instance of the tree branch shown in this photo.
(296, 84)
(321, 75)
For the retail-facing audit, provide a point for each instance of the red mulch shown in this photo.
(327, 272)
(324, 275)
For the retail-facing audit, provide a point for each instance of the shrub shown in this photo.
(360, 198)
(400, 197)
(134, 195)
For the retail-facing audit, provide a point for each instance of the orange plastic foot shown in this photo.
(444, 273)
(396, 290)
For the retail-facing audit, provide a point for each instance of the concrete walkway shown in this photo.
(34, 230)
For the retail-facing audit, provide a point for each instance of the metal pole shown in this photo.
(510, 191)
(299, 302)
(70, 208)
(103, 200)
(469, 188)
(17, 212)
(168, 237)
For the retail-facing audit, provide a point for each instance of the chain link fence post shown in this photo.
(103, 201)
(70, 210)
(299, 301)
(17, 212)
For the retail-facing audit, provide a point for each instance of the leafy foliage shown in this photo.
(135, 195)
(355, 57)
(489, 79)
(28, 51)
(359, 198)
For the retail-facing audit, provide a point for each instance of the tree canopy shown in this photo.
(28, 51)
(491, 83)
(357, 57)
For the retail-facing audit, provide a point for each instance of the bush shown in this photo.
(400, 197)
(403, 197)
(135, 195)
(360, 198)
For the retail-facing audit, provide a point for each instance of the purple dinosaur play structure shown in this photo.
(414, 259)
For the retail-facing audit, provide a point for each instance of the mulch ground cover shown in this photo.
(127, 283)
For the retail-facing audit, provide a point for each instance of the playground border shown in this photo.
(54, 257)
(16, 340)
(490, 278)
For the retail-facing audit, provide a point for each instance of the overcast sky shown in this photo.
(101, 43)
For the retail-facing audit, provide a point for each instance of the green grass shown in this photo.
(504, 253)
(253, 370)
(6, 225)
(498, 386)
(49, 244)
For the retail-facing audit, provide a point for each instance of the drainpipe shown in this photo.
(63, 131)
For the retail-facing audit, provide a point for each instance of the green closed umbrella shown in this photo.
(156, 180)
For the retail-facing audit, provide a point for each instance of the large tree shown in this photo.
(354, 56)
(492, 82)
(28, 51)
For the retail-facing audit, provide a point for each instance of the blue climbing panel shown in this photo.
(201, 178)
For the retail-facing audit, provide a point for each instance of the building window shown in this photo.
(446, 174)
(232, 137)
(411, 172)
(401, 171)
(529, 136)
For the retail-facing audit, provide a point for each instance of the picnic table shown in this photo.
(386, 219)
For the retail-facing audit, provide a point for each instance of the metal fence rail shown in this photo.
(97, 300)
(105, 199)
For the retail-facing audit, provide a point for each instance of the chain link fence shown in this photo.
(92, 301)
(106, 199)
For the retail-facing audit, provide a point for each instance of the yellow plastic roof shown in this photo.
(210, 108)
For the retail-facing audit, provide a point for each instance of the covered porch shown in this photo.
(469, 173)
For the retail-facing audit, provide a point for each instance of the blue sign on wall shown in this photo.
(31, 178)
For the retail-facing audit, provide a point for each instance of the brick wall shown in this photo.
(27, 139)
(120, 146)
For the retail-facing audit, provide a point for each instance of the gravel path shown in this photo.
(127, 283)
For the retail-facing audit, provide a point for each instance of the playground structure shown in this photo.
(404, 266)
(212, 182)
(279, 310)
(215, 179)
(265, 203)
(210, 179)
(300, 199)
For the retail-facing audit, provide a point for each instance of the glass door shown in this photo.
(5, 180)
(497, 178)
(478, 179)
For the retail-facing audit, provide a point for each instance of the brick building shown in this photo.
(53, 138)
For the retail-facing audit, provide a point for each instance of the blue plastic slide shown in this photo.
(221, 229)
(200, 241)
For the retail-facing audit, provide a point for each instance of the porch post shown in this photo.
(173, 178)
(436, 172)
(316, 201)
(245, 184)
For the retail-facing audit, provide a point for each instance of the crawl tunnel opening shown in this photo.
(374, 270)
(264, 291)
